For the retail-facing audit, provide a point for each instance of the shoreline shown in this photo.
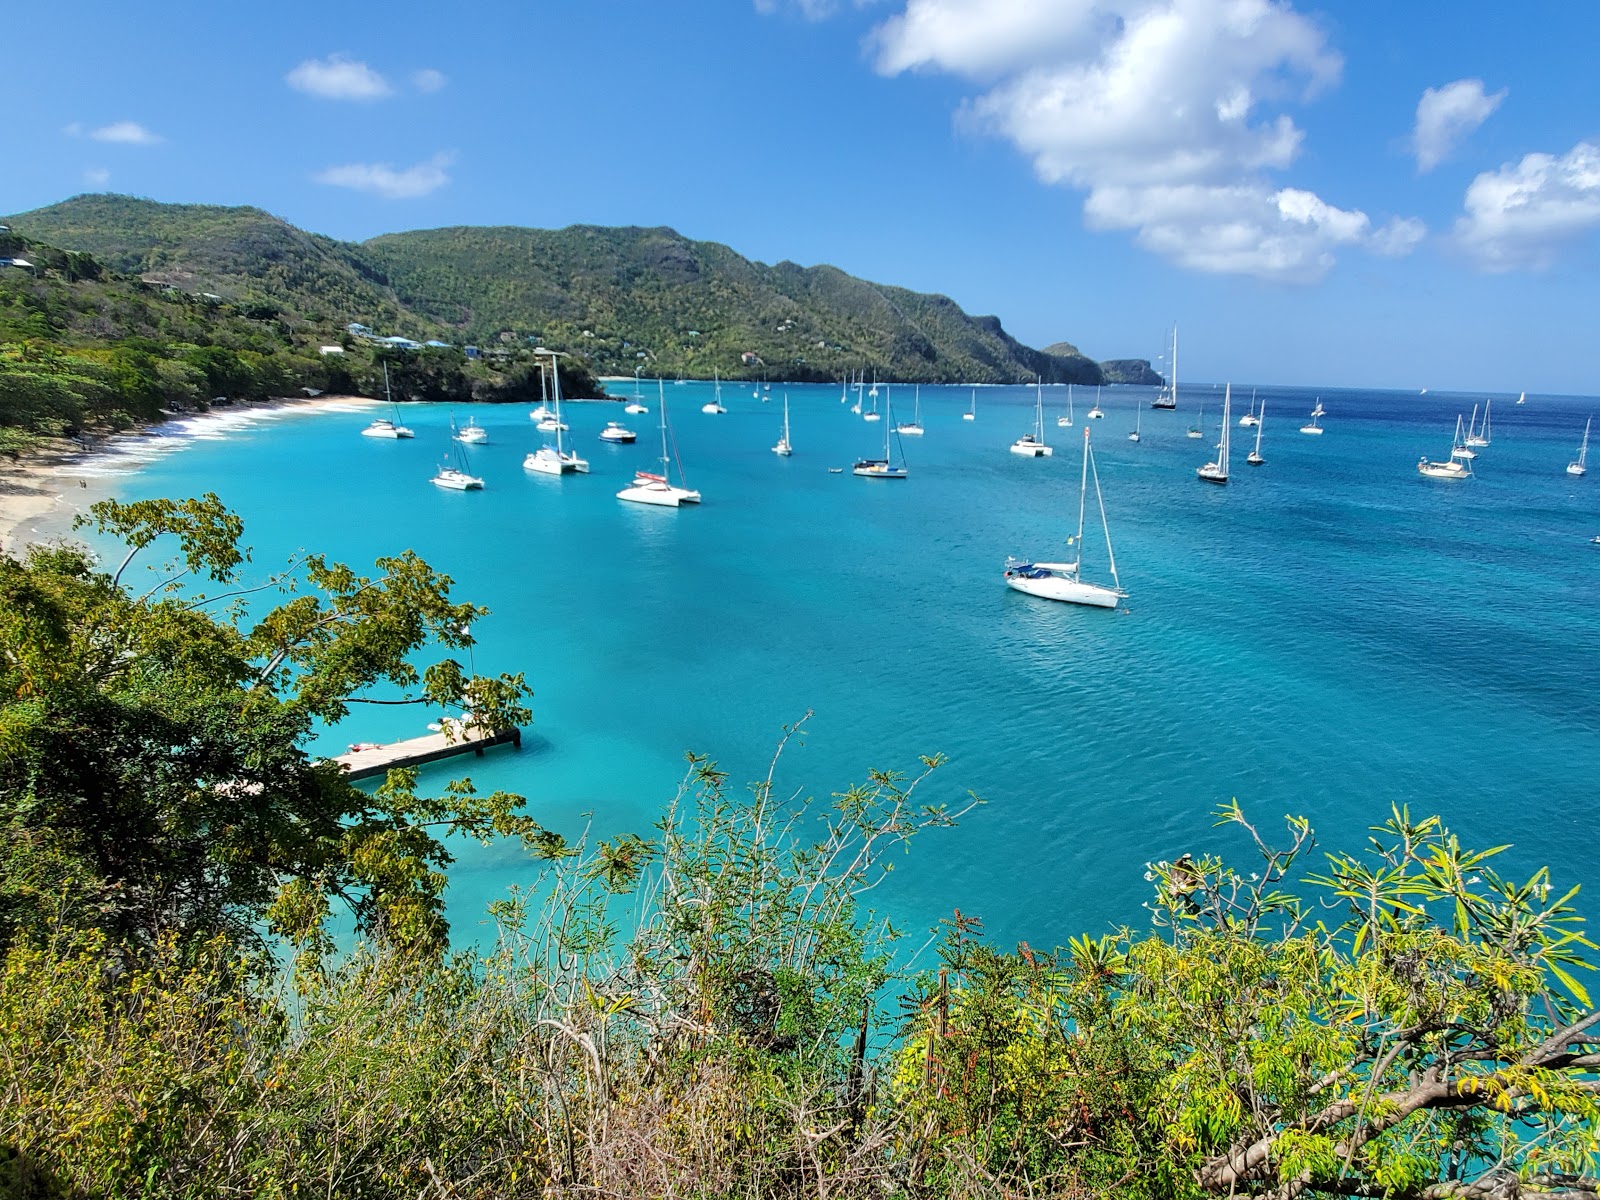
(36, 488)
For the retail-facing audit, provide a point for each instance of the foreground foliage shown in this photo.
(700, 1012)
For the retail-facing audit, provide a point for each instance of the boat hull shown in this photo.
(1448, 471)
(877, 470)
(1064, 590)
(1314, 430)
(1575, 469)
(1032, 450)
(458, 483)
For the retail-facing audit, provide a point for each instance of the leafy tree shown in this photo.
(153, 772)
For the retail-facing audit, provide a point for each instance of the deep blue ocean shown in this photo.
(1329, 634)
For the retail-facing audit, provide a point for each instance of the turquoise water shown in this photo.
(1327, 635)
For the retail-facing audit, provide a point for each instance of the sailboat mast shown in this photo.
(661, 390)
(1260, 423)
(1038, 408)
(1222, 447)
(1083, 491)
(555, 387)
(1174, 365)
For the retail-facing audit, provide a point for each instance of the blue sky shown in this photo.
(1392, 196)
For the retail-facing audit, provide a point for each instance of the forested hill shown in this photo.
(624, 298)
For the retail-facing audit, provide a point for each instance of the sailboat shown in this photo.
(471, 433)
(636, 405)
(844, 390)
(872, 413)
(715, 403)
(1316, 412)
(1063, 581)
(1250, 417)
(1217, 472)
(1479, 437)
(1167, 397)
(1522, 399)
(1254, 457)
(783, 447)
(384, 427)
(972, 411)
(555, 460)
(861, 383)
(1032, 444)
(1095, 413)
(882, 468)
(1581, 465)
(453, 473)
(1197, 430)
(1137, 412)
(1460, 451)
(1065, 422)
(649, 488)
(1450, 468)
(913, 428)
(542, 416)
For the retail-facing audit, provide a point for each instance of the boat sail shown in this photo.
(882, 468)
(1032, 445)
(1167, 397)
(1450, 468)
(1217, 472)
(1580, 466)
(649, 488)
(1064, 581)
(384, 427)
(783, 447)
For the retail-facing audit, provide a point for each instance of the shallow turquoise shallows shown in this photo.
(1329, 634)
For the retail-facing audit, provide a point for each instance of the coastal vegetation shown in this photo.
(226, 969)
(621, 298)
(84, 349)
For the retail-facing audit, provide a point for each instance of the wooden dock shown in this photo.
(373, 759)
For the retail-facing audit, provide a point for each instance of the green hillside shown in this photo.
(623, 298)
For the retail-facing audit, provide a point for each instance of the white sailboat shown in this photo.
(1250, 417)
(1031, 445)
(844, 390)
(649, 488)
(548, 459)
(1217, 472)
(715, 404)
(1312, 426)
(1065, 421)
(1137, 412)
(783, 447)
(1479, 437)
(1522, 399)
(385, 427)
(913, 428)
(636, 405)
(1167, 397)
(972, 410)
(1254, 457)
(882, 468)
(454, 473)
(1450, 468)
(872, 413)
(1197, 430)
(1064, 581)
(1459, 451)
(1581, 465)
(1095, 413)
(471, 433)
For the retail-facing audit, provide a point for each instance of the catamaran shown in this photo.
(913, 428)
(384, 427)
(453, 473)
(1581, 465)
(555, 460)
(1450, 468)
(1031, 445)
(715, 404)
(1095, 413)
(1217, 472)
(1063, 581)
(1250, 417)
(1167, 397)
(649, 488)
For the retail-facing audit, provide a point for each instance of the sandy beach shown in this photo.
(39, 489)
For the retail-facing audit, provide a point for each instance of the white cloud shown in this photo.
(428, 80)
(98, 176)
(1165, 112)
(127, 133)
(1524, 214)
(1446, 116)
(338, 78)
(384, 179)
